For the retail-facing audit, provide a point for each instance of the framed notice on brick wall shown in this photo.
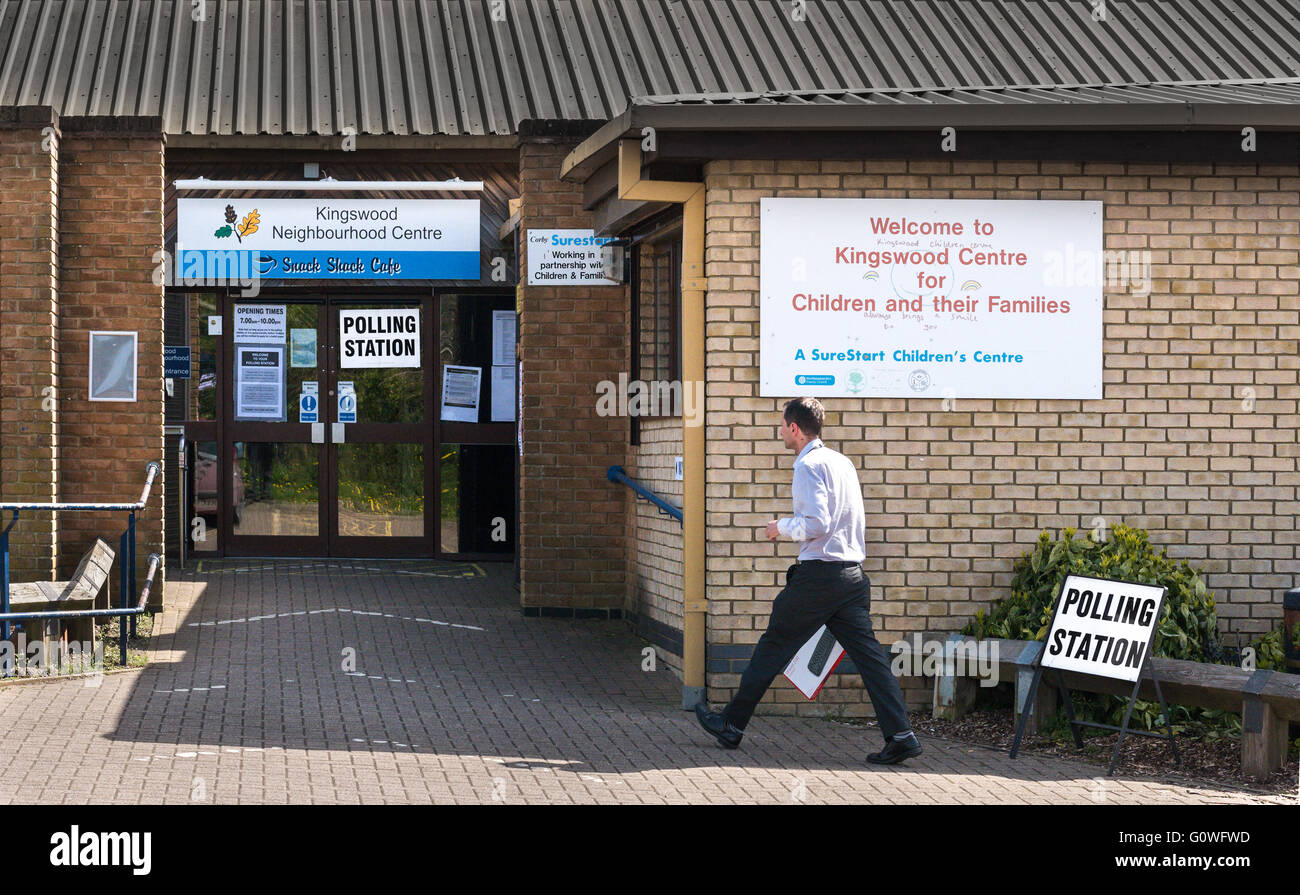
(112, 366)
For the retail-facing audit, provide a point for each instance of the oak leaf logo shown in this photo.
(248, 225)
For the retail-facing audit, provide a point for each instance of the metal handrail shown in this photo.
(151, 471)
(122, 612)
(126, 548)
(617, 474)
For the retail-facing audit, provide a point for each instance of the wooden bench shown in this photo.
(1266, 700)
(79, 592)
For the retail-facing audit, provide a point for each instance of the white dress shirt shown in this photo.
(828, 517)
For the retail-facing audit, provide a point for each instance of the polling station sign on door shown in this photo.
(388, 337)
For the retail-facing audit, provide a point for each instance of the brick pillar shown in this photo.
(111, 232)
(29, 318)
(572, 520)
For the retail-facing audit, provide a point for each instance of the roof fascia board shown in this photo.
(601, 147)
(1020, 116)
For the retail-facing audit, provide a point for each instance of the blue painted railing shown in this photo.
(125, 557)
(617, 474)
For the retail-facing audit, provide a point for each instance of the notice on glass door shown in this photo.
(260, 324)
(460, 393)
(503, 394)
(302, 347)
(259, 383)
(309, 403)
(503, 338)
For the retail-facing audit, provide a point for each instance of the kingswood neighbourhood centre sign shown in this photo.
(935, 298)
(311, 239)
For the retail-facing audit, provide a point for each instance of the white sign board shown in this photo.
(958, 298)
(259, 383)
(1102, 627)
(389, 337)
(566, 258)
(328, 238)
(260, 324)
(814, 663)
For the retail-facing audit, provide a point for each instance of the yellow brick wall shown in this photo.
(655, 563)
(654, 582)
(953, 498)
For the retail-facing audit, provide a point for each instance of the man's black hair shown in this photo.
(806, 413)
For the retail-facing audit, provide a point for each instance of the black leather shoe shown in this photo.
(727, 735)
(896, 750)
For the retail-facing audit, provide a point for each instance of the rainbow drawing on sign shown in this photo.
(969, 286)
(871, 275)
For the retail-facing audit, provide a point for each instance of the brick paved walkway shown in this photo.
(454, 697)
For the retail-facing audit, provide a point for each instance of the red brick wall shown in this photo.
(571, 539)
(29, 319)
(110, 230)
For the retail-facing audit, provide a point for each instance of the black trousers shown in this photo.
(839, 597)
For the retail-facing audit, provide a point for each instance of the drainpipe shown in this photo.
(691, 198)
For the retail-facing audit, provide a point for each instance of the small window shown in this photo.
(658, 305)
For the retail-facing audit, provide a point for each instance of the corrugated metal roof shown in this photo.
(446, 67)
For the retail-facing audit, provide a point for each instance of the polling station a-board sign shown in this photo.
(931, 298)
(1103, 627)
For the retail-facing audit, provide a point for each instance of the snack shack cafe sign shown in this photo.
(315, 239)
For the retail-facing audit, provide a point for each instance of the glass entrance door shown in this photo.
(275, 467)
(381, 401)
(328, 427)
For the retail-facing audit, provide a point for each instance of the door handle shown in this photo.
(336, 435)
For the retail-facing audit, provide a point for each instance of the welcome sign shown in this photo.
(957, 298)
(327, 238)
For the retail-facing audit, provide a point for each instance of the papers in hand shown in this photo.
(814, 663)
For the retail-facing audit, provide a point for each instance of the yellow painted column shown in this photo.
(694, 287)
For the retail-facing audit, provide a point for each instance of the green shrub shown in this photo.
(1268, 651)
(1188, 627)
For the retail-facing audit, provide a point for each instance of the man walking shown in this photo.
(825, 587)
